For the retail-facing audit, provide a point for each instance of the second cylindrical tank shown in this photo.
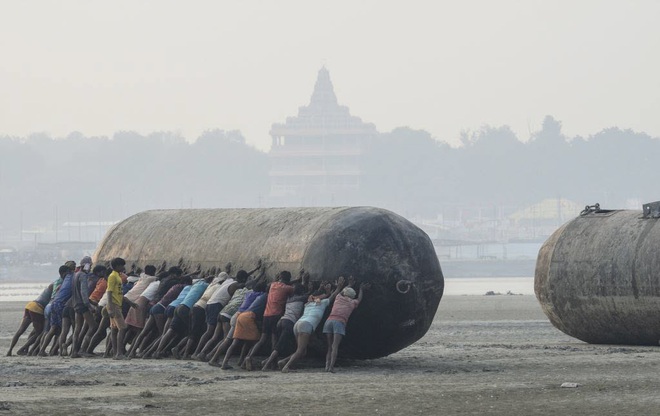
(598, 278)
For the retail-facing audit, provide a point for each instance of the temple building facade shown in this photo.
(316, 156)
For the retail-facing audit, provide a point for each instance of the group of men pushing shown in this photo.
(199, 315)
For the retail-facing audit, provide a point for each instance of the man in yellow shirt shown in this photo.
(115, 299)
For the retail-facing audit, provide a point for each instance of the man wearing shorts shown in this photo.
(278, 292)
(115, 298)
(57, 309)
(286, 340)
(335, 326)
(180, 326)
(311, 318)
(34, 314)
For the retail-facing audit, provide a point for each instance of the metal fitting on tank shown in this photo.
(403, 286)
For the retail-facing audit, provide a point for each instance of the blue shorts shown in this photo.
(334, 327)
(303, 327)
(169, 312)
(157, 309)
(181, 320)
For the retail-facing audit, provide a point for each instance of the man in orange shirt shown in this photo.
(278, 292)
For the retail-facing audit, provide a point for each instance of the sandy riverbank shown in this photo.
(482, 355)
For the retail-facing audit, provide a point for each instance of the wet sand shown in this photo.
(483, 355)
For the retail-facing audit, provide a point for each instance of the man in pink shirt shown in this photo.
(335, 326)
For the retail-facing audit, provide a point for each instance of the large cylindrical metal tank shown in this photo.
(371, 244)
(598, 278)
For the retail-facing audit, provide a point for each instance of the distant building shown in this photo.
(317, 154)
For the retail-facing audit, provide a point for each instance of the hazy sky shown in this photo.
(443, 66)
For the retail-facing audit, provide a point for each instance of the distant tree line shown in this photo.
(80, 178)
(494, 168)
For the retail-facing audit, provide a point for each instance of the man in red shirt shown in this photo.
(278, 293)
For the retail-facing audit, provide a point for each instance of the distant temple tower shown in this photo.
(317, 154)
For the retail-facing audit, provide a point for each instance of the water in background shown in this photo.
(20, 292)
(483, 285)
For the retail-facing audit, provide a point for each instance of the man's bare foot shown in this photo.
(19, 352)
(226, 367)
(281, 364)
(268, 365)
(75, 355)
(202, 357)
(248, 364)
(175, 353)
(119, 357)
(8, 353)
(214, 364)
(285, 369)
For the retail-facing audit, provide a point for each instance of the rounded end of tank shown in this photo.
(377, 246)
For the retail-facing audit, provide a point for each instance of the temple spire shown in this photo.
(324, 93)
